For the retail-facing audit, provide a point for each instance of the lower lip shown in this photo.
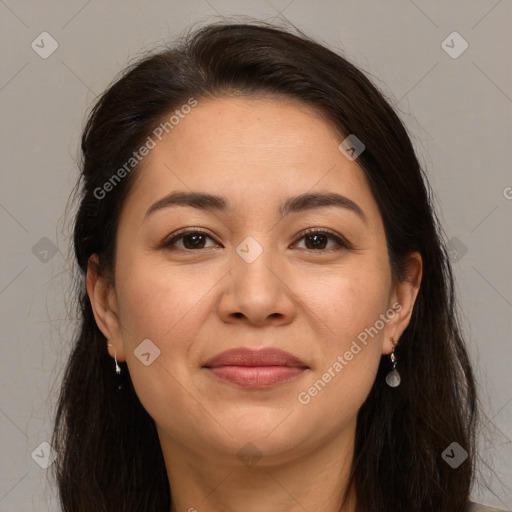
(256, 376)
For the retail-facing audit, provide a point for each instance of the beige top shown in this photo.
(476, 507)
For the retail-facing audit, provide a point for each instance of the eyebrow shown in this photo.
(307, 201)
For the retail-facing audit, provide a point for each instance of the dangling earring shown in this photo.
(118, 368)
(393, 377)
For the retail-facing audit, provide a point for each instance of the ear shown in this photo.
(402, 300)
(102, 295)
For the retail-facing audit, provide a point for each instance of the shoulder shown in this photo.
(476, 507)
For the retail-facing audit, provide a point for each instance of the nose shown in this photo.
(259, 291)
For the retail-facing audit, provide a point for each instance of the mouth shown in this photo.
(255, 368)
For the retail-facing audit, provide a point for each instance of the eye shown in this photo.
(318, 239)
(192, 238)
(315, 240)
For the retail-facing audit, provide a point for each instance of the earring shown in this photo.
(118, 368)
(393, 377)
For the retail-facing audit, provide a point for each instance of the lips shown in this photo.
(248, 357)
(255, 368)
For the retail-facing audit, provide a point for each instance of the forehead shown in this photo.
(254, 151)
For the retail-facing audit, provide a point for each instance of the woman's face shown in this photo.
(252, 278)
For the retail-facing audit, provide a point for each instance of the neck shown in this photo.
(294, 480)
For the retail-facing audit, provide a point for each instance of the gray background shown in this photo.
(457, 111)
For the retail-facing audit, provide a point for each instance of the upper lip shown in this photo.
(250, 357)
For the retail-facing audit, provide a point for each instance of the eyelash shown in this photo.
(341, 242)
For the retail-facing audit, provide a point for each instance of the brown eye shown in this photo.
(190, 239)
(316, 240)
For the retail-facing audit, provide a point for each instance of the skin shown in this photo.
(195, 303)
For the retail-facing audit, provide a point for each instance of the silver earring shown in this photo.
(118, 368)
(393, 377)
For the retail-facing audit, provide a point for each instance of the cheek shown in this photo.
(350, 307)
(168, 309)
(160, 304)
(346, 300)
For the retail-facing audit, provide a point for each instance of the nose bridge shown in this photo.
(253, 259)
(258, 290)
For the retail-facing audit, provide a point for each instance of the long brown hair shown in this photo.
(108, 454)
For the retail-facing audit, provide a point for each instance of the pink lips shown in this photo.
(255, 368)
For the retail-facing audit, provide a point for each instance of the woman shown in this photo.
(268, 318)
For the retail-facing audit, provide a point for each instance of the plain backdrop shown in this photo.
(456, 102)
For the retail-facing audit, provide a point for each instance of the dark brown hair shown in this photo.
(108, 454)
